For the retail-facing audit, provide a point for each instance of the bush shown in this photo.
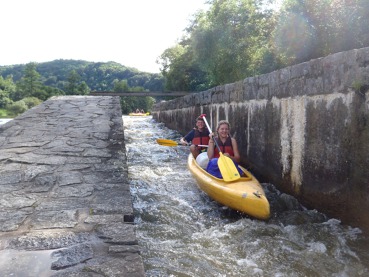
(17, 107)
(31, 101)
(4, 101)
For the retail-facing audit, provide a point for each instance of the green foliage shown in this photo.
(31, 102)
(3, 113)
(37, 82)
(51, 91)
(96, 76)
(309, 29)
(71, 87)
(75, 86)
(6, 88)
(236, 39)
(30, 84)
(17, 108)
(229, 42)
(131, 103)
(27, 93)
(7, 85)
(120, 86)
(4, 100)
(181, 70)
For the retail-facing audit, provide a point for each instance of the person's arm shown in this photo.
(236, 157)
(211, 146)
(187, 138)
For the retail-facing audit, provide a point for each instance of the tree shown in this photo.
(120, 86)
(229, 42)
(75, 86)
(4, 99)
(181, 70)
(83, 88)
(51, 91)
(131, 103)
(6, 88)
(309, 29)
(232, 39)
(29, 84)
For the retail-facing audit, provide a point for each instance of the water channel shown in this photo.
(182, 232)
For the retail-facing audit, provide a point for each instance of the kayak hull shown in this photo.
(245, 194)
(139, 114)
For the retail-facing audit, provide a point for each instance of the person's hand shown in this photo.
(229, 156)
(183, 142)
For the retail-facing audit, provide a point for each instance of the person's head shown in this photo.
(200, 123)
(223, 127)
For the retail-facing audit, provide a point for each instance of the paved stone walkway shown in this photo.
(65, 203)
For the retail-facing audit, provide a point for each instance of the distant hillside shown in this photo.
(98, 76)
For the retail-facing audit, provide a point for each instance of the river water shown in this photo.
(182, 232)
(4, 120)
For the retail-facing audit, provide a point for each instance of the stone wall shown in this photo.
(303, 128)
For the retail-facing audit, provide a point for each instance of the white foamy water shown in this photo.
(4, 120)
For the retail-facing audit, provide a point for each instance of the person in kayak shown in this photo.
(228, 146)
(197, 136)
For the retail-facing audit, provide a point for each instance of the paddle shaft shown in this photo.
(168, 142)
(207, 125)
(199, 145)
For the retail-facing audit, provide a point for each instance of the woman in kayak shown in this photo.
(197, 136)
(228, 146)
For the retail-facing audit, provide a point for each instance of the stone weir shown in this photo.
(65, 202)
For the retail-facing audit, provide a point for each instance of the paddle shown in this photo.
(225, 164)
(168, 142)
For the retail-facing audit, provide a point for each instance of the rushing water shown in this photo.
(184, 233)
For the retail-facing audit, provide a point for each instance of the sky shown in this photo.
(133, 33)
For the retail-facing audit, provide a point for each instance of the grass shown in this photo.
(5, 114)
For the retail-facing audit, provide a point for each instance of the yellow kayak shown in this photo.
(245, 194)
(139, 114)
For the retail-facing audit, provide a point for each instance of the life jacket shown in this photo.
(201, 138)
(225, 147)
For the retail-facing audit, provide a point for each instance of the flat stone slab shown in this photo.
(71, 256)
(128, 266)
(65, 202)
(47, 241)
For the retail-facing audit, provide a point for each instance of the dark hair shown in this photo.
(200, 118)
